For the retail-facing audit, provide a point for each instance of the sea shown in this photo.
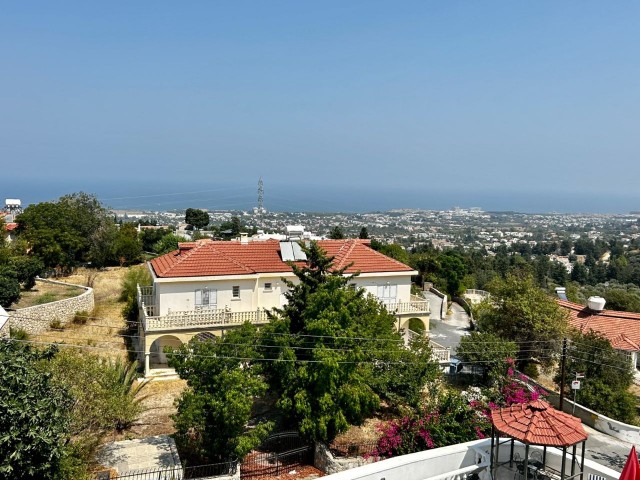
(300, 197)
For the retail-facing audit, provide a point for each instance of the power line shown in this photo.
(227, 357)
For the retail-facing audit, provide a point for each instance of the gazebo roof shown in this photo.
(538, 423)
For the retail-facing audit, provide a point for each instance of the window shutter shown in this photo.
(198, 297)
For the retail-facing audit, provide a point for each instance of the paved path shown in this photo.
(448, 332)
(606, 450)
(148, 453)
(435, 304)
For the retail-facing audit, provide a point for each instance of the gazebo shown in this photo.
(537, 423)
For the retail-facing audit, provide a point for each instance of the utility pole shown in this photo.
(563, 365)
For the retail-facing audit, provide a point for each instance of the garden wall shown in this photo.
(36, 319)
(324, 460)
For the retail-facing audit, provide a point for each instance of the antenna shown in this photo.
(260, 196)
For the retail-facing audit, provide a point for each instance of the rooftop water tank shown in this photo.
(596, 303)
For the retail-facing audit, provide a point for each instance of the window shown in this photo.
(352, 286)
(387, 294)
(267, 286)
(235, 291)
(206, 298)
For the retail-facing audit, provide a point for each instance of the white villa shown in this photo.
(206, 287)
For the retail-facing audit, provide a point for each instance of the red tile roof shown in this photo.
(216, 258)
(538, 423)
(9, 227)
(622, 329)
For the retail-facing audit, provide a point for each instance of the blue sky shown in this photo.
(493, 98)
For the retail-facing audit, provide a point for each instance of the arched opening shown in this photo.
(157, 357)
(416, 325)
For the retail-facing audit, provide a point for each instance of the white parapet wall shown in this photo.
(455, 462)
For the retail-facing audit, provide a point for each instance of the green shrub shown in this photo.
(56, 325)
(81, 317)
(134, 276)
(18, 334)
(45, 298)
(9, 291)
(416, 325)
(531, 370)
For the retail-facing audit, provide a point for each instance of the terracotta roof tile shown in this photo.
(622, 329)
(538, 423)
(217, 258)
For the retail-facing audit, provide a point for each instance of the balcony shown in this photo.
(415, 306)
(193, 319)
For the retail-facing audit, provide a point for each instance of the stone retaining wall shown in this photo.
(37, 319)
(324, 460)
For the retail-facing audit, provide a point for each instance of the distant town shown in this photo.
(458, 227)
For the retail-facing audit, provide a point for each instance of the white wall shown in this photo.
(180, 295)
(174, 295)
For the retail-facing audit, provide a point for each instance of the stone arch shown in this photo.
(158, 359)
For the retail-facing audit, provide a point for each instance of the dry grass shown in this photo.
(103, 331)
(45, 293)
(158, 401)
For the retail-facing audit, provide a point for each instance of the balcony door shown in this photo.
(387, 295)
(206, 299)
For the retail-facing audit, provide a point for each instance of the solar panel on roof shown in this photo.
(562, 295)
(297, 252)
(286, 250)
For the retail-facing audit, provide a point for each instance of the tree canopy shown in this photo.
(338, 352)
(522, 312)
(197, 218)
(74, 230)
(33, 422)
(336, 233)
(607, 376)
(214, 410)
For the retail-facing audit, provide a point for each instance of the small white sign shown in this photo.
(579, 375)
(575, 384)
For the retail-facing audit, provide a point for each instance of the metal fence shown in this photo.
(278, 454)
(174, 473)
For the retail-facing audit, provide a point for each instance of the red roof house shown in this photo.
(622, 329)
(207, 286)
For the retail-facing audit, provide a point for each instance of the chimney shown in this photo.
(244, 238)
(596, 303)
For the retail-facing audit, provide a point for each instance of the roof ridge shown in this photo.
(385, 256)
(351, 245)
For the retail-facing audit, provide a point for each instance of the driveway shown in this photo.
(606, 450)
(449, 331)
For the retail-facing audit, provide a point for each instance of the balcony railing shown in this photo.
(145, 295)
(416, 305)
(199, 318)
(439, 353)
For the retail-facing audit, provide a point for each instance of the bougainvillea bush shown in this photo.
(453, 421)
(456, 417)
